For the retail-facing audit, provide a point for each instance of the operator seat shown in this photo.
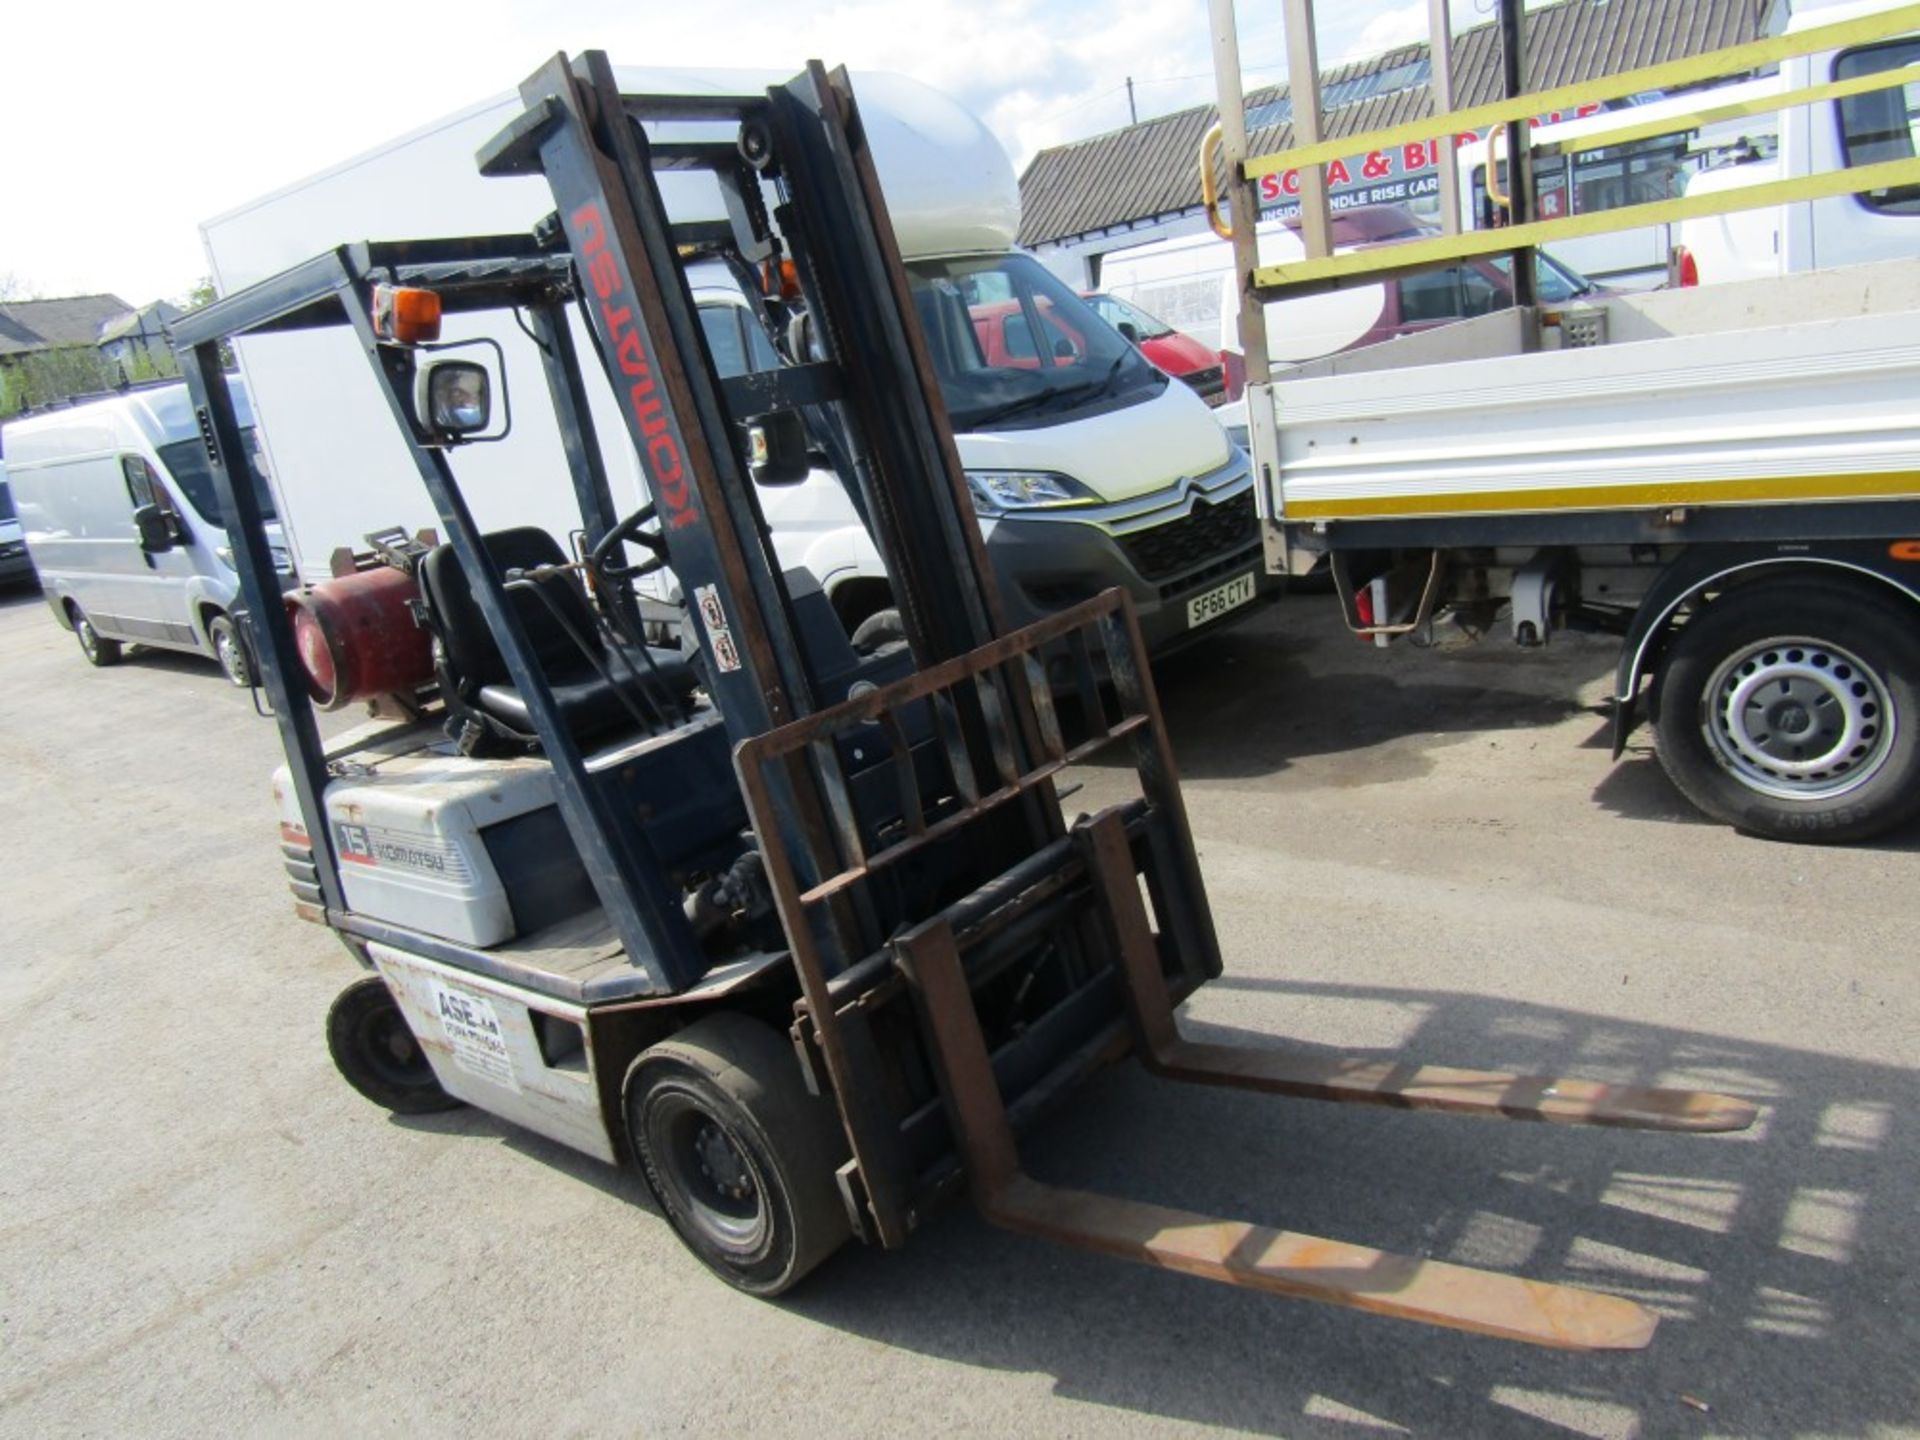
(473, 673)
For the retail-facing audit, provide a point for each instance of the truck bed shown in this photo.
(1792, 391)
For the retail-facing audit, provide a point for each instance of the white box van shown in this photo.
(120, 518)
(1089, 467)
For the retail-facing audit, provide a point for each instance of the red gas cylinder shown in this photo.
(357, 637)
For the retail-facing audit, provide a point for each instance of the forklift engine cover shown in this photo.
(472, 851)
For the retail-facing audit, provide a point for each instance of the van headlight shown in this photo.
(281, 559)
(999, 492)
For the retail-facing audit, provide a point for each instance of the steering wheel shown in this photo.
(607, 557)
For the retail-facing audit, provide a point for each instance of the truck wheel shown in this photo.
(1796, 714)
(739, 1155)
(228, 650)
(96, 647)
(375, 1050)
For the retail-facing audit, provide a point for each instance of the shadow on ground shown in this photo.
(1779, 1261)
(1258, 700)
(1637, 788)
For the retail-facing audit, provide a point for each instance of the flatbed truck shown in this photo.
(1726, 477)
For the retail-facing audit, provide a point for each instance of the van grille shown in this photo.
(1194, 539)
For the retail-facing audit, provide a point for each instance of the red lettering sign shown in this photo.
(666, 470)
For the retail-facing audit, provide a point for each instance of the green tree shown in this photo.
(48, 375)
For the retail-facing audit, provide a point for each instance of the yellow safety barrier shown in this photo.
(1734, 110)
(1668, 74)
(1418, 254)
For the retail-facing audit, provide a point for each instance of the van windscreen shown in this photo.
(186, 462)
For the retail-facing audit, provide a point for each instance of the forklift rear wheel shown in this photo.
(374, 1049)
(96, 647)
(739, 1155)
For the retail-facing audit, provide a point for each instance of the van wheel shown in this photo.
(96, 647)
(376, 1052)
(1795, 713)
(739, 1155)
(229, 651)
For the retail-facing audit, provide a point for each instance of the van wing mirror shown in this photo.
(156, 531)
(777, 450)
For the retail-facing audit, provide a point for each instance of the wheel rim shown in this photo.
(713, 1173)
(227, 648)
(391, 1052)
(89, 641)
(1797, 718)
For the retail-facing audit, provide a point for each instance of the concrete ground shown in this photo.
(202, 1229)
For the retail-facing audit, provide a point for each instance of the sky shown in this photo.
(128, 124)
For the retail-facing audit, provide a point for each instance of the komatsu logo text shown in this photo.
(665, 465)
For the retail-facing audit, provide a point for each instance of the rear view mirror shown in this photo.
(453, 398)
(1129, 332)
(156, 531)
(777, 451)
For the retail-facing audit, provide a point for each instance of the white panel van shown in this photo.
(120, 517)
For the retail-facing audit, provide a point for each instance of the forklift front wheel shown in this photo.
(739, 1155)
(375, 1050)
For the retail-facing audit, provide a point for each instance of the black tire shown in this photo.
(230, 650)
(374, 1049)
(739, 1155)
(96, 647)
(879, 630)
(1794, 713)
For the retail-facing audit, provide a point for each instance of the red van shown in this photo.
(1181, 356)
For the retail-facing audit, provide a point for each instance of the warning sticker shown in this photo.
(473, 1029)
(713, 615)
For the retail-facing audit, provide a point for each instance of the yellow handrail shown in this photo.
(1495, 138)
(1209, 197)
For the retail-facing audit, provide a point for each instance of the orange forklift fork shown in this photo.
(1254, 1256)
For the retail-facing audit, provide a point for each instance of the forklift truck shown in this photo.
(804, 933)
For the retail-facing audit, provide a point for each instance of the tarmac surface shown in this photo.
(202, 1229)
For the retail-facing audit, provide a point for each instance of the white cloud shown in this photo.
(192, 108)
(1406, 25)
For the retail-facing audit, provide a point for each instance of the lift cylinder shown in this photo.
(358, 638)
